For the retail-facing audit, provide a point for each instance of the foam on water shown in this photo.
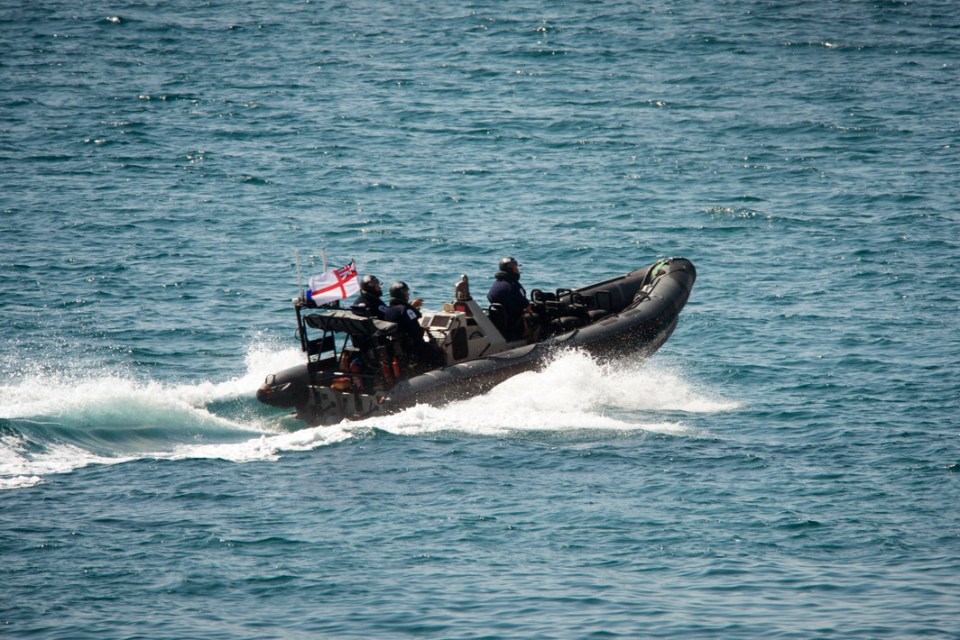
(21, 468)
(574, 392)
(57, 422)
(62, 423)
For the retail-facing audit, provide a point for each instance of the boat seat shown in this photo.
(595, 314)
(538, 295)
(606, 300)
(566, 323)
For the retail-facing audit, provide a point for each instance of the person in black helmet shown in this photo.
(406, 314)
(369, 303)
(509, 293)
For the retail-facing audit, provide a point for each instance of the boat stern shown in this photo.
(289, 388)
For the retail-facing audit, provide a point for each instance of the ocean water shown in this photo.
(786, 466)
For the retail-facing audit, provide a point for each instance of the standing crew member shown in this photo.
(510, 294)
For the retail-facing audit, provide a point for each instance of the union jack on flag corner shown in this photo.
(334, 284)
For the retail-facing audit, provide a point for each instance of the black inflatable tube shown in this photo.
(640, 328)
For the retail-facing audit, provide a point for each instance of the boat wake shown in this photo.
(572, 394)
(54, 424)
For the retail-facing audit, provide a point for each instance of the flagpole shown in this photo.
(296, 255)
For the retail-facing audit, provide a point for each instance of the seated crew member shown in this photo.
(406, 314)
(369, 303)
(509, 293)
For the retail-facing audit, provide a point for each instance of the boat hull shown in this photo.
(636, 313)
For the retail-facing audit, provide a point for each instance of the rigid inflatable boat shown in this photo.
(357, 367)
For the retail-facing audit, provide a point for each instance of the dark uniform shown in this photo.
(509, 293)
(407, 318)
(369, 303)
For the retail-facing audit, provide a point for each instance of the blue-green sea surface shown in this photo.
(786, 466)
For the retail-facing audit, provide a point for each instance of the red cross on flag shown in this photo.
(334, 284)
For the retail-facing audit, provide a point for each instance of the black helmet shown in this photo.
(399, 291)
(508, 263)
(370, 284)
